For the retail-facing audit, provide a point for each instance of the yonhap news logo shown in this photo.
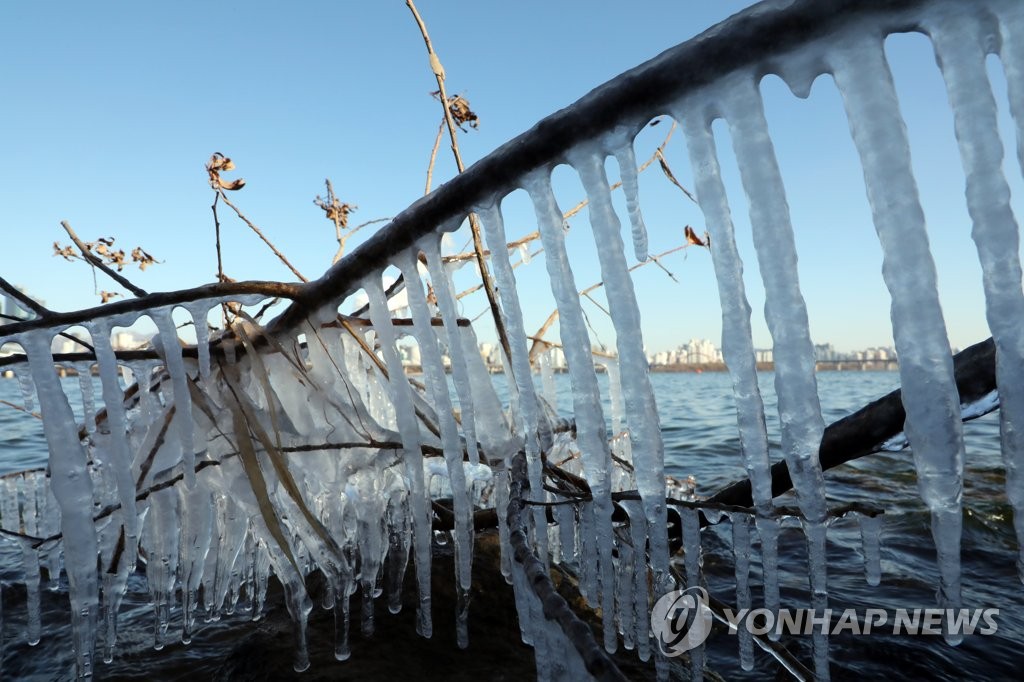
(681, 620)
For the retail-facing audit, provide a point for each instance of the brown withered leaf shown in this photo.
(218, 164)
(335, 209)
(66, 252)
(143, 258)
(105, 296)
(461, 113)
(692, 238)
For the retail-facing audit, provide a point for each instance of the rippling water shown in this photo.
(700, 437)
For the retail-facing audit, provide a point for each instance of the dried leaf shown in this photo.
(217, 164)
(692, 238)
(460, 111)
(105, 296)
(231, 185)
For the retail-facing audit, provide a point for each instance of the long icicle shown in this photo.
(586, 394)
(647, 448)
(929, 391)
(71, 485)
(401, 395)
(433, 374)
(494, 230)
(786, 314)
(960, 51)
(737, 336)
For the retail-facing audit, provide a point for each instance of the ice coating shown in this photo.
(692, 549)
(785, 311)
(433, 371)
(512, 315)
(870, 529)
(926, 369)
(460, 372)
(179, 388)
(631, 188)
(960, 41)
(199, 310)
(120, 455)
(586, 395)
(88, 399)
(647, 448)
(28, 390)
(72, 489)
(741, 554)
(737, 338)
(401, 396)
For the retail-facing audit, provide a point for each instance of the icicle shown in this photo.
(644, 426)
(524, 254)
(460, 373)
(547, 377)
(71, 486)
(12, 516)
(28, 390)
(512, 315)
(691, 547)
(641, 601)
(501, 494)
(795, 383)
(741, 554)
(737, 339)
(200, 310)
(399, 532)
(433, 374)
(870, 529)
(586, 394)
(785, 312)
(926, 368)
(179, 385)
(30, 515)
(631, 189)
(115, 582)
(162, 565)
(88, 399)
(624, 580)
(401, 396)
(1011, 55)
(565, 516)
(196, 528)
(960, 50)
(119, 449)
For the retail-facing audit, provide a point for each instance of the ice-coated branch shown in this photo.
(554, 605)
(863, 432)
(27, 301)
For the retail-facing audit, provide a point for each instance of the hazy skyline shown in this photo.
(111, 114)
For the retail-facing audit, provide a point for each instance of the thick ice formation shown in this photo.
(926, 368)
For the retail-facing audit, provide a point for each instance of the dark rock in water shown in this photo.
(239, 649)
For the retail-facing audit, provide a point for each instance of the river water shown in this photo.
(700, 436)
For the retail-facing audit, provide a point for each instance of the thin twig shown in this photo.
(21, 409)
(97, 263)
(433, 156)
(259, 233)
(539, 336)
(474, 223)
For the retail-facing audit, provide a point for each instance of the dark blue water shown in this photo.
(699, 430)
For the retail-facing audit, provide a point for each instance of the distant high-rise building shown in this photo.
(12, 308)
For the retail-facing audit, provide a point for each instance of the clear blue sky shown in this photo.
(110, 111)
